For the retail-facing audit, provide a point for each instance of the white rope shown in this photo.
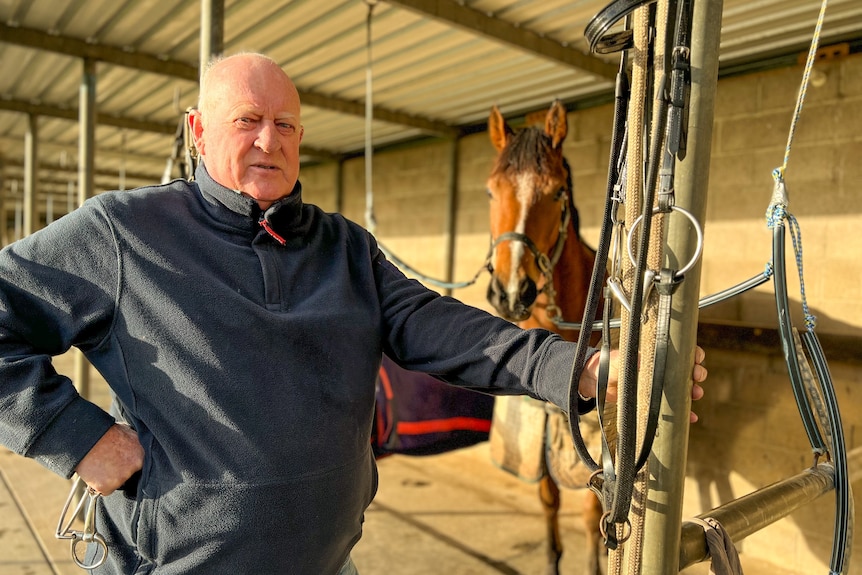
(370, 220)
(803, 89)
(777, 211)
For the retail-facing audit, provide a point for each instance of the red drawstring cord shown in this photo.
(265, 225)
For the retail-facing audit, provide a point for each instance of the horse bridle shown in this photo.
(546, 263)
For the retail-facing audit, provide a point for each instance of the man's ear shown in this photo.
(197, 129)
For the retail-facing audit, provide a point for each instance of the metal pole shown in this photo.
(31, 168)
(451, 213)
(86, 169)
(663, 515)
(212, 31)
(86, 131)
(4, 232)
(746, 515)
(339, 186)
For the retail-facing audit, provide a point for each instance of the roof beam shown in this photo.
(120, 122)
(14, 165)
(72, 114)
(358, 109)
(75, 47)
(474, 21)
(53, 146)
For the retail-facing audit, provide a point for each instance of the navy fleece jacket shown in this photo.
(246, 365)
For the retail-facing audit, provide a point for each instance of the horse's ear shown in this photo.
(556, 123)
(498, 130)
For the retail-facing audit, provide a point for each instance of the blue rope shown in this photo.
(776, 214)
(796, 236)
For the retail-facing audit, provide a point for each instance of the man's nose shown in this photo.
(267, 137)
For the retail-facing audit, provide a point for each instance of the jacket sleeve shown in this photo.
(57, 290)
(469, 347)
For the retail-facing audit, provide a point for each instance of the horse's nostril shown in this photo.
(496, 293)
(528, 292)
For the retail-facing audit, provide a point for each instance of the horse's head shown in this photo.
(530, 188)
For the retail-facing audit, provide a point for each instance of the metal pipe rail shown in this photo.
(751, 513)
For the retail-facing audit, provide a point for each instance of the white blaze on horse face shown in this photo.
(524, 187)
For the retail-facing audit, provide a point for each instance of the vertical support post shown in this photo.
(451, 213)
(212, 31)
(668, 460)
(19, 212)
(86, 168)
(86, 131)
(4, 224)
(31, 168)
(339, 186)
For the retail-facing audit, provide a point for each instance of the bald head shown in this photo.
(225, 71)
(247, 126)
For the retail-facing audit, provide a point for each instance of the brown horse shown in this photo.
(540, 267)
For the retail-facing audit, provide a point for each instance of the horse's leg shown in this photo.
(592, 514)
(549, 494)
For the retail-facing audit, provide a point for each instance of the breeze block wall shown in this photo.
(749, 434)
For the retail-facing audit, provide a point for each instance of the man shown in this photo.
(240, 331)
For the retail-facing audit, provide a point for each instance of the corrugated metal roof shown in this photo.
(438, 66)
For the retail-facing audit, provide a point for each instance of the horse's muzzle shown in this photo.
(515, 308)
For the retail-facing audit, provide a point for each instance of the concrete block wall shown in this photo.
(753, 115)
(749, 434)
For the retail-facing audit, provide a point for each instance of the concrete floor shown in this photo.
(450, 514)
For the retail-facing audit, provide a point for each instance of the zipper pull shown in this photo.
(265, 225)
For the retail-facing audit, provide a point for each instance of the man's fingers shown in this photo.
(112, 460)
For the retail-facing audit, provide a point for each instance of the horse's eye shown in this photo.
(559, 195)
(488, 191)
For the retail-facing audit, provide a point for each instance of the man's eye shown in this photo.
(287, 128)
(244, 121)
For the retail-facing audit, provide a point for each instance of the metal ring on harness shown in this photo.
(614, 543)
(698, 250)
(101, 556)
(89, 533)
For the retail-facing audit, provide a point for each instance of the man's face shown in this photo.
(248, 130)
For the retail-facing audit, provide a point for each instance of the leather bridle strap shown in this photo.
(665, 287)
(617, 164)
(596, 31)
(785, 330)
(836, 449)
(544, 262)
(844, 514)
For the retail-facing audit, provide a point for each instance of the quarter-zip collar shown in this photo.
(283, 220)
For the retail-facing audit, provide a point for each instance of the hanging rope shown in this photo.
(370, 219)
(803, 89)
(777, 212)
